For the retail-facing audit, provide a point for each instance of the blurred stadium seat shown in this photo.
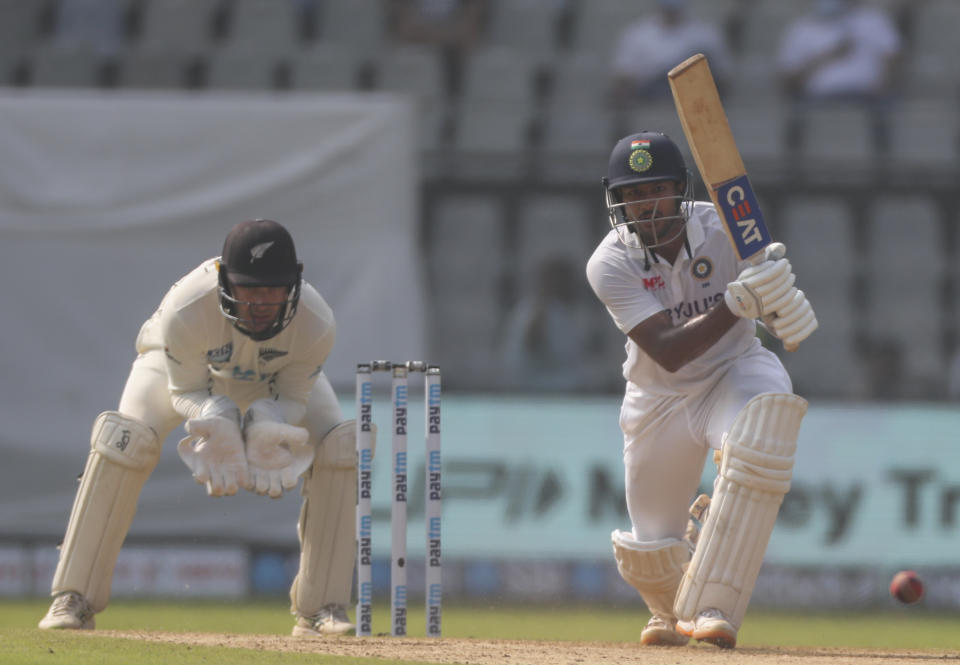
(272, 27)
(11, 66)
(753, 81)
(599, 22)
(556, 225)
(240, 70)
(763, 27)
(531, 26)
(718, 12)
(154, 69)
(417, 70)
(574, 144)
(827, 364)
(934, 29)
(20, 24)
(499, 74)
(759, 128)
(928, 70)
(178, 26)
(495, 112)
(836, 135)
(54, 67)
(359, 24)
(926, 134)
(578, 80)
(491, 139)
(464, 247)
(327, 67)
(926, 76)
(96, 25)
(819, 235)
(905, 278)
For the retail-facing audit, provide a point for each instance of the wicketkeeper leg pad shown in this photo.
(652, 568)
(754, 476)
(124, 451)
(327, 527)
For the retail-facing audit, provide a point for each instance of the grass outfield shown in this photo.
(21, 642)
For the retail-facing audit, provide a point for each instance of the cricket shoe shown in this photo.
(69, 610)
(330, 620)
(661, 632)
(710, 626)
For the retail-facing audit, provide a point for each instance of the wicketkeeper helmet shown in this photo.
(259, 252)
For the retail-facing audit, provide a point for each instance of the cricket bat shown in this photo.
(718, 159)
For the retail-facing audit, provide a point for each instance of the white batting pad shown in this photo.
(339, 446)
(123, 453)
(755, 472)
(653, 568)
(327, 525)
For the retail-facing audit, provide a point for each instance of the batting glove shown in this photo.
(794, 322)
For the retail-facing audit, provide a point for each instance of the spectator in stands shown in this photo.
(453, 26)
(842, 51)
(456, 24)
(648, 48)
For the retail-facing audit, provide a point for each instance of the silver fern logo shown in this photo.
(257, 251)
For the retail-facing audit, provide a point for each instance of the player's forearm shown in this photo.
(672, 347)
(188, 404)
(693, 338)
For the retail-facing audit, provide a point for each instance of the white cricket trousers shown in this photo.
(666, 440)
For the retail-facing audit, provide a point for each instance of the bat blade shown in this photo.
(718, 159)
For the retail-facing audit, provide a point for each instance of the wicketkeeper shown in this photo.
(697, 378)
(235, 352)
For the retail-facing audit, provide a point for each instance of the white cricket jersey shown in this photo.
(207, 355)
(686, 289)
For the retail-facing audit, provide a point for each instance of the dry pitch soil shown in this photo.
(519, 652)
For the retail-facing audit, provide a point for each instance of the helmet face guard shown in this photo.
(641, 158)
(258, 253)
(230, 307)
(641, 231)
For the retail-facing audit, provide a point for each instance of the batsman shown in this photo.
(697, 380)
(235, 353)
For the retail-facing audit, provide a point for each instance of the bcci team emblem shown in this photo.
(702, 268)
(640, 159)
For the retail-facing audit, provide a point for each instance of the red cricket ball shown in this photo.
(907, 587)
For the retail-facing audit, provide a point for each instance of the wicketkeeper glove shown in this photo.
(277, 453)
(213, 449)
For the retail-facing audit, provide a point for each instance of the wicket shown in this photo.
(398, 506)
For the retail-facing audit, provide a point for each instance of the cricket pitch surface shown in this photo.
(533, 652)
